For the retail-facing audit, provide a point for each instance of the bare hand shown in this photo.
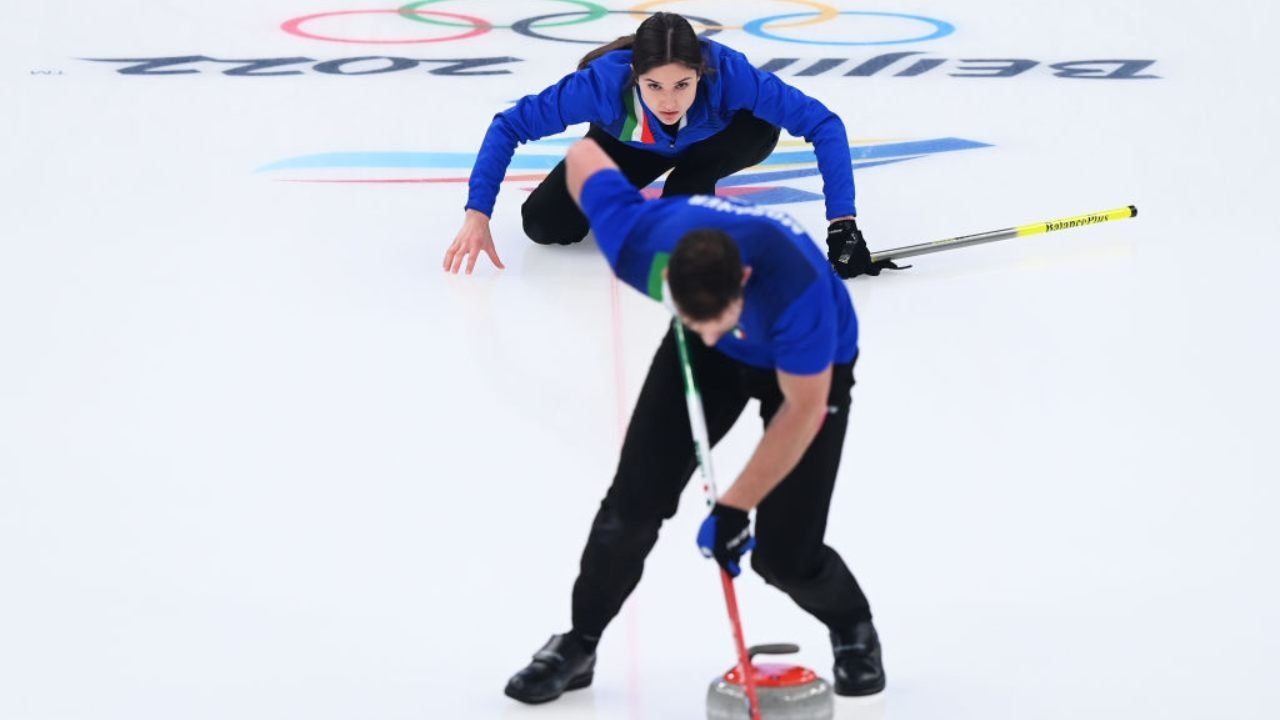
(472, 239)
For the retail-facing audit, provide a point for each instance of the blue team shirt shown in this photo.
(603, 94)
(796, 315)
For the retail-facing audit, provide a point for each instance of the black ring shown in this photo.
(524, 26)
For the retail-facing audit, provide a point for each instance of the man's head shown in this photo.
(706, 277)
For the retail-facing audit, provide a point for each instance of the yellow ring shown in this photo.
(825, 13)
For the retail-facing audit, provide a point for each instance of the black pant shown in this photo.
(658, 460)
(552, 218)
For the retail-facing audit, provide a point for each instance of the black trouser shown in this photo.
(658, 460)
(551, 217)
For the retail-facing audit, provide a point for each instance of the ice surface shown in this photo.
(261, 458)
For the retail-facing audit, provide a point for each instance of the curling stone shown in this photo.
(785, 692)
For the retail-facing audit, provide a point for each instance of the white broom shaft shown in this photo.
(702, 447)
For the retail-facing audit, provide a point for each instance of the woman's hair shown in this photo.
(662, 39)
(705, 274)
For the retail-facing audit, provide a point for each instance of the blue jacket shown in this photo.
(796, 315)
(602, 93)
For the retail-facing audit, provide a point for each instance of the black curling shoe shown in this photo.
(858, 670)
(562, 664)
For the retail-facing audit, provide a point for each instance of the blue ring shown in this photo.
(941, 29)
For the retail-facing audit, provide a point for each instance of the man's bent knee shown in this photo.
(626, 532)
(781, 569)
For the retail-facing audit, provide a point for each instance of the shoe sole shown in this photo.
(861, 692)
(576, 683)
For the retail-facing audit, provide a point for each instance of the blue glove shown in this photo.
(726, 536)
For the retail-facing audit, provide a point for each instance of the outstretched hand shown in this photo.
(473, 239)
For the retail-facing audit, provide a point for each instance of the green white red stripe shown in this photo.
(636, 128)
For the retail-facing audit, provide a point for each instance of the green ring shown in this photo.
(595, 12)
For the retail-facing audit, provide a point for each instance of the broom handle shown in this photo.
(702, 449)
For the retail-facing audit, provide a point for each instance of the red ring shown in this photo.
(294, 27)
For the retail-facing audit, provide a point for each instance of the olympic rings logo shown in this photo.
(468, 26)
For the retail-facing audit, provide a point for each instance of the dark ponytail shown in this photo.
(662, 39)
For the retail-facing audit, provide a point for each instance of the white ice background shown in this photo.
(261, 458)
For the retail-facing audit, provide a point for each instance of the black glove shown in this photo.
(726, 536)
(848, 253)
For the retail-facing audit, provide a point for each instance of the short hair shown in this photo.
(705, 274)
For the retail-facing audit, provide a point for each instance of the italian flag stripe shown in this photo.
(636, 126)
(629, 125)
(646, 135)
(660, 262)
